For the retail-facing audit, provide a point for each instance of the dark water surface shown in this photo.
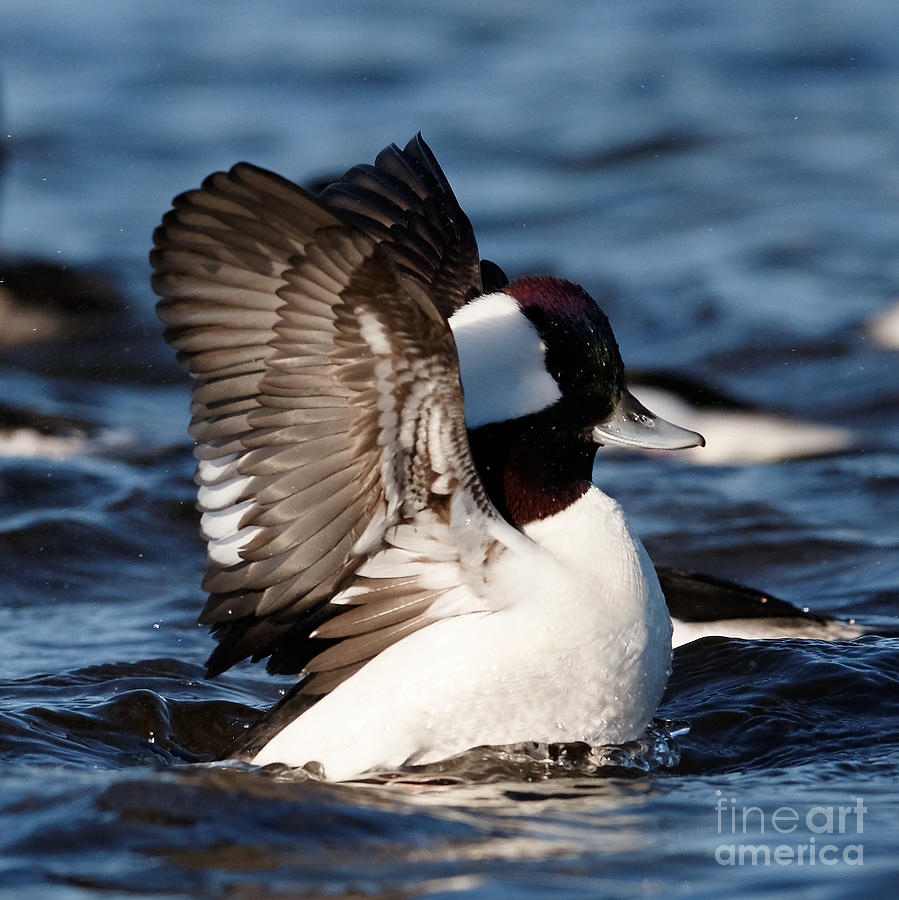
(724, 177)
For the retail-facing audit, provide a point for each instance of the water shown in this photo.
(723, 176)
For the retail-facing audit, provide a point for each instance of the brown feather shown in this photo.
(283, 311)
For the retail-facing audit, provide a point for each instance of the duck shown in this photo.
(394, 448)
(44, 301)
(703, 605)
(28, 434)
(737, 432)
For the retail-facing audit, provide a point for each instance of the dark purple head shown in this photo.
(542, 346)
(544, 385)
(580, 351)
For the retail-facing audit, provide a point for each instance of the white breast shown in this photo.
(580, 651)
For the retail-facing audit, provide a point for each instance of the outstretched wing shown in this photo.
(405, 203)
(340, 503)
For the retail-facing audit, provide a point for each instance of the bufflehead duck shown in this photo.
(396, 208)
(44, 301)
(737, 432)
(25, 433)
(702, 605)
(50, 301)
(444, 573)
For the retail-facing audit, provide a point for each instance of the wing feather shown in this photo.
(405, 203)
(340, 503)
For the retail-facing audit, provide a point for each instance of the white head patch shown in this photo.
(501, 360)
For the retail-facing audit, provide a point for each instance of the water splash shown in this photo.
(531, 761)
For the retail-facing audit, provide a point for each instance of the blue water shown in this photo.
(723, 177)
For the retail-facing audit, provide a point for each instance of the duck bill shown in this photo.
(631, 424)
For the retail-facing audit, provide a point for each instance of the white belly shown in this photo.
(581, 652)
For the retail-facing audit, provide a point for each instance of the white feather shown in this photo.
(209, 471)
(765, 629)
(501, 361)
(222, 523)
(580, 650)
(219, 496)
(225, 538)
(226, 551)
